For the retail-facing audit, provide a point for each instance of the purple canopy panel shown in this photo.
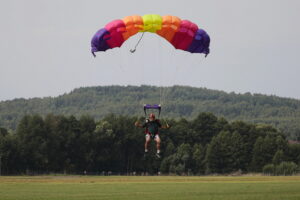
(98, 42)
(155, 106)
(200, 43)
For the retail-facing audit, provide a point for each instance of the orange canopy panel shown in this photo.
(133, 25)
(170, 25)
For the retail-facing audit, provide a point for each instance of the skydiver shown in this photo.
(152, 126)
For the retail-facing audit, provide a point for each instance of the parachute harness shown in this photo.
(133, 50)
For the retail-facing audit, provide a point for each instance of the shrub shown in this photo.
(286, 168)
(269, 169)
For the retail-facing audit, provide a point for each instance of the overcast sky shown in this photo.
(45, 47)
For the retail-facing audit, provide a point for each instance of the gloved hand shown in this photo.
(137, 123)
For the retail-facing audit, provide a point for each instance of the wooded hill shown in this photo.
(113, 145)
(177, 102)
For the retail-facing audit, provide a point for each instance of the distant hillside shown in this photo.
(177, 101)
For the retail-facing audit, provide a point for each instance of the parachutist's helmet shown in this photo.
(152, 116)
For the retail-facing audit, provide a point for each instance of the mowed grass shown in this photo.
(149, 187)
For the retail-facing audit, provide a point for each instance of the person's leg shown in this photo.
(147, 142)
(158, 141)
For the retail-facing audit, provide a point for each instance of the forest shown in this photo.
(206, 144)
(177, 102)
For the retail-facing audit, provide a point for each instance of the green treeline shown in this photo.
(177, 102)
(203, 145)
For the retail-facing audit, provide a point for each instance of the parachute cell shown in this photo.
(200, 43)
(115, 29)
(182, 34)
(152, 23)
(99, 41)
(133, 25)
(170, 25)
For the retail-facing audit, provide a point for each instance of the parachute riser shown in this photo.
(152, 107)
(133, 50)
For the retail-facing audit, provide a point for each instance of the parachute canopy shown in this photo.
(182, 34)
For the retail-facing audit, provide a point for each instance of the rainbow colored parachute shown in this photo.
(182, 34)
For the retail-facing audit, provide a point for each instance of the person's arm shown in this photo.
(161, 126)
(138, 124)
(165, 127)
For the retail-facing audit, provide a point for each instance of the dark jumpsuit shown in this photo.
(152, 127)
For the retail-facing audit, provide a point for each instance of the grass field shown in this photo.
(149, 187)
